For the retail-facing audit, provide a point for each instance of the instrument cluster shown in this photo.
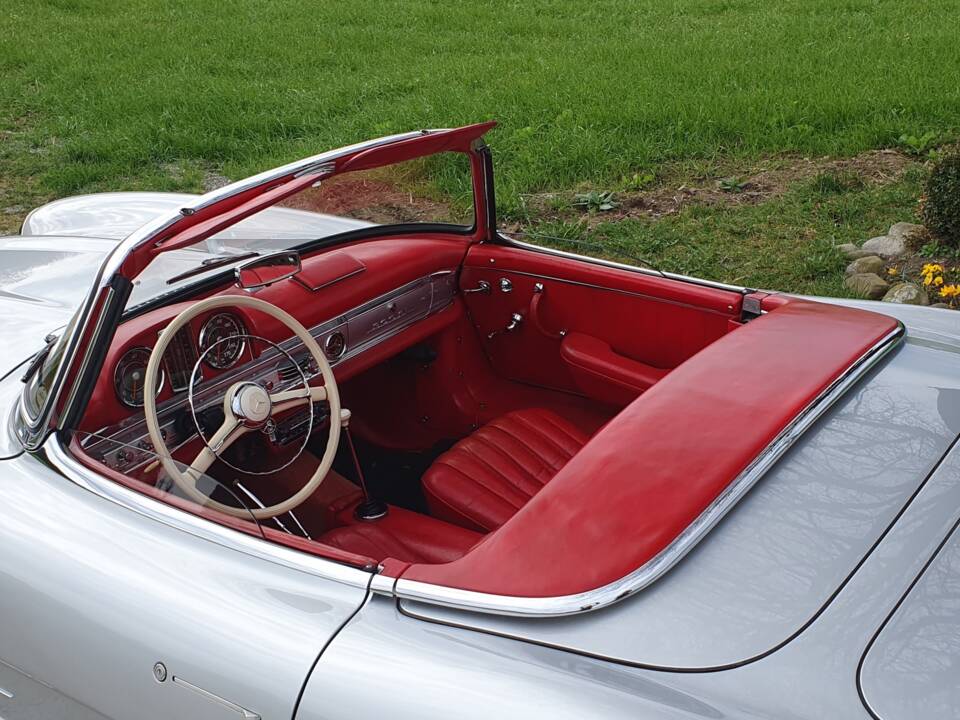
(220, 344)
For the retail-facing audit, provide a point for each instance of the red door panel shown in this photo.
(625, 325)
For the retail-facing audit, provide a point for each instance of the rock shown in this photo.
(886, 246)
(868, 264)
(907, 294)
(868, 285)
(213, 181)
(942, 306)
(905, 231)
(852, 251)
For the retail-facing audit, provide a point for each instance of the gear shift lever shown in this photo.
(370, 508)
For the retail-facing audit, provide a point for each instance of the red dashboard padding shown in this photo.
(483, 480)
(653, 469)
(336, 265)
(402, 535)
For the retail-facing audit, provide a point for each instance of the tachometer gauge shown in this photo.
(223, 336)
(131, 374)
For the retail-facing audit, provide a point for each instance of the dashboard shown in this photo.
(222, 340)
(220, 348)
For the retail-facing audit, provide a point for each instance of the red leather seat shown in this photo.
(403, 535)
(485, 478)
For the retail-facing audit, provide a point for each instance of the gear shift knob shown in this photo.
(345, 416)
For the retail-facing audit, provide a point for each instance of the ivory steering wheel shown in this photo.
(246, 407)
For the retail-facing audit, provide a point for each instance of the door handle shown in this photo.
(483, 287)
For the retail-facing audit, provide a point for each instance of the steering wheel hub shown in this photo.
(251, 405)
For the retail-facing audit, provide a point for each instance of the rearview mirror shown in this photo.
(268, 270)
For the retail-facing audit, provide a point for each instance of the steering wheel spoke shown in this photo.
(288, 399)
(220, 440)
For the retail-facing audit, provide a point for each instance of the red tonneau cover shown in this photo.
(661, 462)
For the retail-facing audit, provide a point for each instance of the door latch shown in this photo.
(515, 321)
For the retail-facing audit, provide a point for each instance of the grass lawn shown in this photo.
(623, 95)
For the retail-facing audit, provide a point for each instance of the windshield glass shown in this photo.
(150, 477)
(435, 190)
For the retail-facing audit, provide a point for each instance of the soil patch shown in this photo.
(748, 187)
(375, 201)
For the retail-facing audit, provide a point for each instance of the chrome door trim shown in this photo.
(604, 288)
(681, 545)
(512, 242)
(204, 529)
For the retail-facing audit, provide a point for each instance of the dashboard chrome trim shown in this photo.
(657, 566)
(362, 327)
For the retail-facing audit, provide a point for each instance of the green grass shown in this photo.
(108, 94)
(785, 243)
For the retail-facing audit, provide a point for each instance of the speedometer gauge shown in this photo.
(222, 335)
(131, 374)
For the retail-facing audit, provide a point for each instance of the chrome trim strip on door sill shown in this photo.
(681, 545)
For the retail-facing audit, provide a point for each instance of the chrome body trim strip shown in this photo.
(681, 545)
(223, 702)
(204, 529)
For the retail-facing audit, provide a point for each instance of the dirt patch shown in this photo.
(375, 201)
(750, 186)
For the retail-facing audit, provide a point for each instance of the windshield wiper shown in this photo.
(39, 358)
(212, 263)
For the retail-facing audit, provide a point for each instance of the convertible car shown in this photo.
(324, 443)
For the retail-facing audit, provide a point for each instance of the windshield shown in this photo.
(436, 190)
(151, 479)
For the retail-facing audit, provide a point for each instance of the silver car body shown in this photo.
(829, 591)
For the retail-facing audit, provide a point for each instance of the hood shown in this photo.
(116, 215)
(42, 282)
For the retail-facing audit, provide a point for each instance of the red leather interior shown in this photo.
(402, 535)
(389, 262)
(487, 477)
(603, 373)
(653, 469)
(654, 321)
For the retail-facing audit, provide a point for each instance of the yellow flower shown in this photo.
(948, 291)
(938, 280)
(931, 268)
(892, 271)
(927, 279)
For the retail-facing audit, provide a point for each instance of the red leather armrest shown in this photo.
(602, 373)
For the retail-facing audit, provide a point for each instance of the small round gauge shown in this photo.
(223, 336)
(130, 375)
(334, 345)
